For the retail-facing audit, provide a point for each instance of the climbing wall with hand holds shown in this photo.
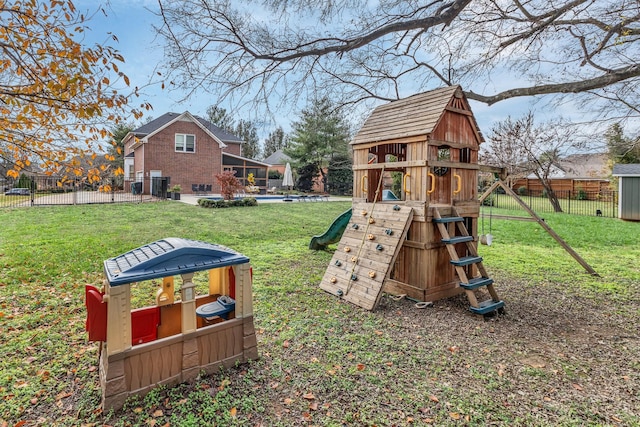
(367, 252)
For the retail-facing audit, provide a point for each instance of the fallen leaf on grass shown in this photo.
(577, 386)
(63, 395)
(158, 413)
(360, 367)
(285, 344)
(434, 398)
(313, 406)
(137, 410)
(308, 396)
(288, 401)
(454, 415)
(453, 348)
(233, 412)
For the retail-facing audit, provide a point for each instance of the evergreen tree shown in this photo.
(248, 132)
(116, 150)
(319, 137)
(221, 118)
(622, 149)
(277, 140)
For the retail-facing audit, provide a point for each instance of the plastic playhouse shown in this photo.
(177, 338)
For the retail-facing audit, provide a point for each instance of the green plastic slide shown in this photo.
(333, 233)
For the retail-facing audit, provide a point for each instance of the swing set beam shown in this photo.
(540, 221)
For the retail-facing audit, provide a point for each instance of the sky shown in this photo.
(132, 23)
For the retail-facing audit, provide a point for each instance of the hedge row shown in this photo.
(208, 203)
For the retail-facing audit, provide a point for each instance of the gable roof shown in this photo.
(149, 129)
(416, 115)
(277, 158)
(630, 169)
(587, 166)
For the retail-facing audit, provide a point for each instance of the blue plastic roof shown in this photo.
(168, 257)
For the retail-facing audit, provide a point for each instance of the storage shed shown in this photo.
(628, 190)
(173, 340)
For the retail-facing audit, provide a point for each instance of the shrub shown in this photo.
(582, 195)
(229, 184)
(219, 204)
(522, 191)
(306, 175)
(274, 174)
(488, 201)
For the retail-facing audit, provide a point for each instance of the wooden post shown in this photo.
(548, 229)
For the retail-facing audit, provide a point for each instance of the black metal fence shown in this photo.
(604, 203)
(43, 191)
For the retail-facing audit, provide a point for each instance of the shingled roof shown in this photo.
(626, 169)
(161, 121)
(416, 115)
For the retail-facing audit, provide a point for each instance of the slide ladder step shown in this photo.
(476, 283)
(467, 260)
(457, 239)
(487, 307)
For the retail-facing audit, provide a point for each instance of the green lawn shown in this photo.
(566, 353)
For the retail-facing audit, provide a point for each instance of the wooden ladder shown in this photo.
(470, 285)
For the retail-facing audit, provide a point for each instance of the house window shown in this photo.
(185, 143)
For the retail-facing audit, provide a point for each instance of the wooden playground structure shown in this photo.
(174, 340)
(421, 239)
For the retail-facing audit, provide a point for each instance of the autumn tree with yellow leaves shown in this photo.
(58, 98)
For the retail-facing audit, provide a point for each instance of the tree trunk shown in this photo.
(551, 195)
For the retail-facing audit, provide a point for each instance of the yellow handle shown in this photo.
(458, 183)
(364, 190)
(433, 183)
(404, 184)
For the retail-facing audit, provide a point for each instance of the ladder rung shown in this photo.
(468, 260)
(487, 307)
(448, 219)
(457, 239)
(476, 283)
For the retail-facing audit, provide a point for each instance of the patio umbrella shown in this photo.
(288, 177)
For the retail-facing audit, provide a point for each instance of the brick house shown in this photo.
(188, 150)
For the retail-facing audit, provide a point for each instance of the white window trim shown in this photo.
(185, 135)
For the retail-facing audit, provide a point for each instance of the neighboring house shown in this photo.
(629, 190)
(586, 172)
(277, 161)
(188, 150)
